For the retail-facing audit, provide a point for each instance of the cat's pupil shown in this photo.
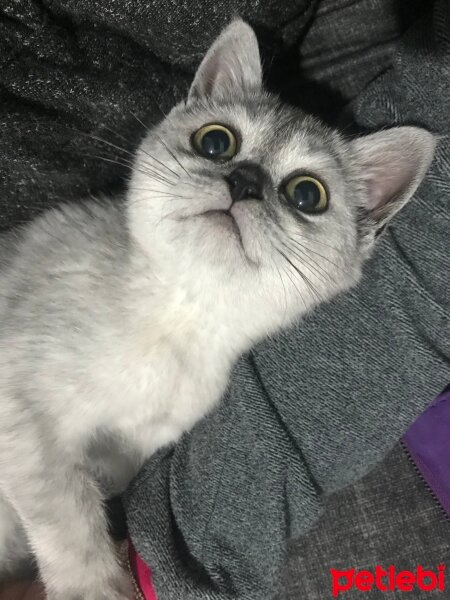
(215, 143)
(306, 195)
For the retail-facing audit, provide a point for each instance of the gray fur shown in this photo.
(121, 319)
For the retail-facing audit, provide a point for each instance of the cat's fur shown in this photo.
(120, 321)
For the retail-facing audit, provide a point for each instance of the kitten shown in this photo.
(120, 320)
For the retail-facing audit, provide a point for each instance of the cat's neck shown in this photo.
(187, 314)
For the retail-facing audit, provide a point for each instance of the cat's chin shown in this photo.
(223, 219)
(222, 225)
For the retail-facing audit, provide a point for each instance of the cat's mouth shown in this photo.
(224, 218)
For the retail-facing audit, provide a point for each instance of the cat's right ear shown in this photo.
(231, 66)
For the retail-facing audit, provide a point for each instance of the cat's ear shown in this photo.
(231, 65)
(391, 165)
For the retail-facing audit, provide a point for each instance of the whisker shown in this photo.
(160, 162)
(304, 252)
(302, 275)
(141, 200)
(168, 216)
(169, 194)
(318, 254)
(172, 154)
(153, 158)
(150, 170)
(139, 120)
(302, 257)
(293, 283)
(309, 239)
(133, 154)
(119, 135)
(282, 283)
(129, 165)
(103, 141)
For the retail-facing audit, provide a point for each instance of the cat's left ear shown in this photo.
(391, 165)
(231, 66)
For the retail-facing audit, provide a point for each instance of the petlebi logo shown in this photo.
(388, 580)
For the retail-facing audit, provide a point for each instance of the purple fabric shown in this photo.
(428, 441)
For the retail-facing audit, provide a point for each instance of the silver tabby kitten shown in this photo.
(120, 322)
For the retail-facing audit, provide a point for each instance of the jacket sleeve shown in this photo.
(318, 407)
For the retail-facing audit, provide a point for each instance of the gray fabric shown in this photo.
(318, 407)
(347, 45)
(64, 77)
(388, 518)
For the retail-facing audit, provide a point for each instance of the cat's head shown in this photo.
(253, 203)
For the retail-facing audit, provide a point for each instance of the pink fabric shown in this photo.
(142, 573)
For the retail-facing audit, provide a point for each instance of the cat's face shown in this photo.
(254, 201)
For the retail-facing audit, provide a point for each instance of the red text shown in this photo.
(387, 580)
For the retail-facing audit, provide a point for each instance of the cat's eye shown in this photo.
(215, 141)
(307, 194)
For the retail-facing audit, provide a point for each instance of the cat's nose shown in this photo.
(246, 182)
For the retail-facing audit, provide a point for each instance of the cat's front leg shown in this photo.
(62, 511)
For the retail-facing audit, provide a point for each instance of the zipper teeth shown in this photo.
(424, 481)
(137, 590)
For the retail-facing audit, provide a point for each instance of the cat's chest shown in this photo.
(161, 388)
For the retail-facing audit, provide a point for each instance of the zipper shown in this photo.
(424, 481)
(137, 590)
